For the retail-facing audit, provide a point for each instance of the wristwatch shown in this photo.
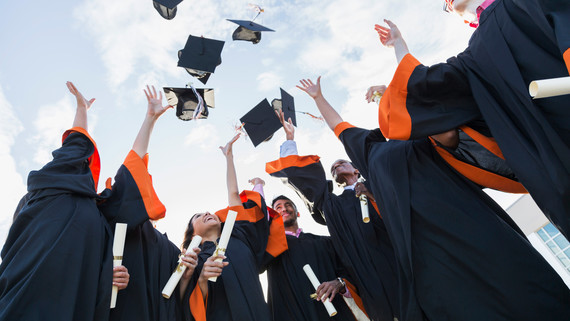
(343, 284)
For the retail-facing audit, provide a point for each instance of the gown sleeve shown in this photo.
(306, 176)
(132, 198)
(558, 14)
(74, 168)
(423, 101)
(263, 233)
(356, 143)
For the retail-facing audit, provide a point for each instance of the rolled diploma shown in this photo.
(118, 247)
(549, 87)
(180, 269)
(376, 96)
(364, 208)
(225, 238)
(364, 205)
(313, 278)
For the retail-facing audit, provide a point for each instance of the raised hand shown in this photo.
(256, 180)
(287, 125)
(392, 38)
(370, 94)
(311, 89)
(227, 150)
(81, 101)
(155, 108)
(388, 36)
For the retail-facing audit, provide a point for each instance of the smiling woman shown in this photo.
(237, 295)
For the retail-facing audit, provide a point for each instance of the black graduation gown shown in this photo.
(237, 293)
(517, 41)
(460, 256)
(148, 254)
(364, 249)
(57, 261)
(289, 289)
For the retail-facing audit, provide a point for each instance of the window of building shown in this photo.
(557, 243)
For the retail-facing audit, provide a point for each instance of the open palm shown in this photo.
(314, 90)
(388, 35)
(155, 108)
(81, 101)
(227, 150)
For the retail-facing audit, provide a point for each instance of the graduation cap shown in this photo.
(166, 8)
(191, 103)
(287, 104)
(248, 31)
(200, 57)
(261, 122)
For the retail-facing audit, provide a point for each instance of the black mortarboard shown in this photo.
(200, 57)
(287, 104)
(185, 100)
(248, 31)
(166, 8)
(261, 122)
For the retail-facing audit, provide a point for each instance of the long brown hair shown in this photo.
(189, 233)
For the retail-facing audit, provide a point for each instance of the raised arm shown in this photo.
(329, 114)
(288, 126)
(231, 177)
(82, 106)
(154, 111)
(392, 38)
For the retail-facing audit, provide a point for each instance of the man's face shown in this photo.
(287, 210)
(342, 167)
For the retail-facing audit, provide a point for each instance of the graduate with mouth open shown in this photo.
(256, 237)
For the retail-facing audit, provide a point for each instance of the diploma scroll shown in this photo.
(549, 87)
(376, 96)
(118, 247)
(313, 278)
(180, 269)
(225, 237)
(364, 205)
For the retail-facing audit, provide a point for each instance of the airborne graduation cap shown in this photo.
(287, 104)
(261, 122)
(191, 103)
(200, 57)
(248, 31)
(166, 8)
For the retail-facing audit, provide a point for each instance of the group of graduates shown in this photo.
(436, 246)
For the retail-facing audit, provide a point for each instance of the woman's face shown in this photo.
(204, 222)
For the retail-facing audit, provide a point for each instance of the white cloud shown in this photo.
(12, 187)
(202, 135)
(51, 121)
(131, 35)
(268, 81)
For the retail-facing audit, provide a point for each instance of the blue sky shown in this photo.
(111, 49)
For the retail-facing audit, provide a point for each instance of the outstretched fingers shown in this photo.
(147, 95)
